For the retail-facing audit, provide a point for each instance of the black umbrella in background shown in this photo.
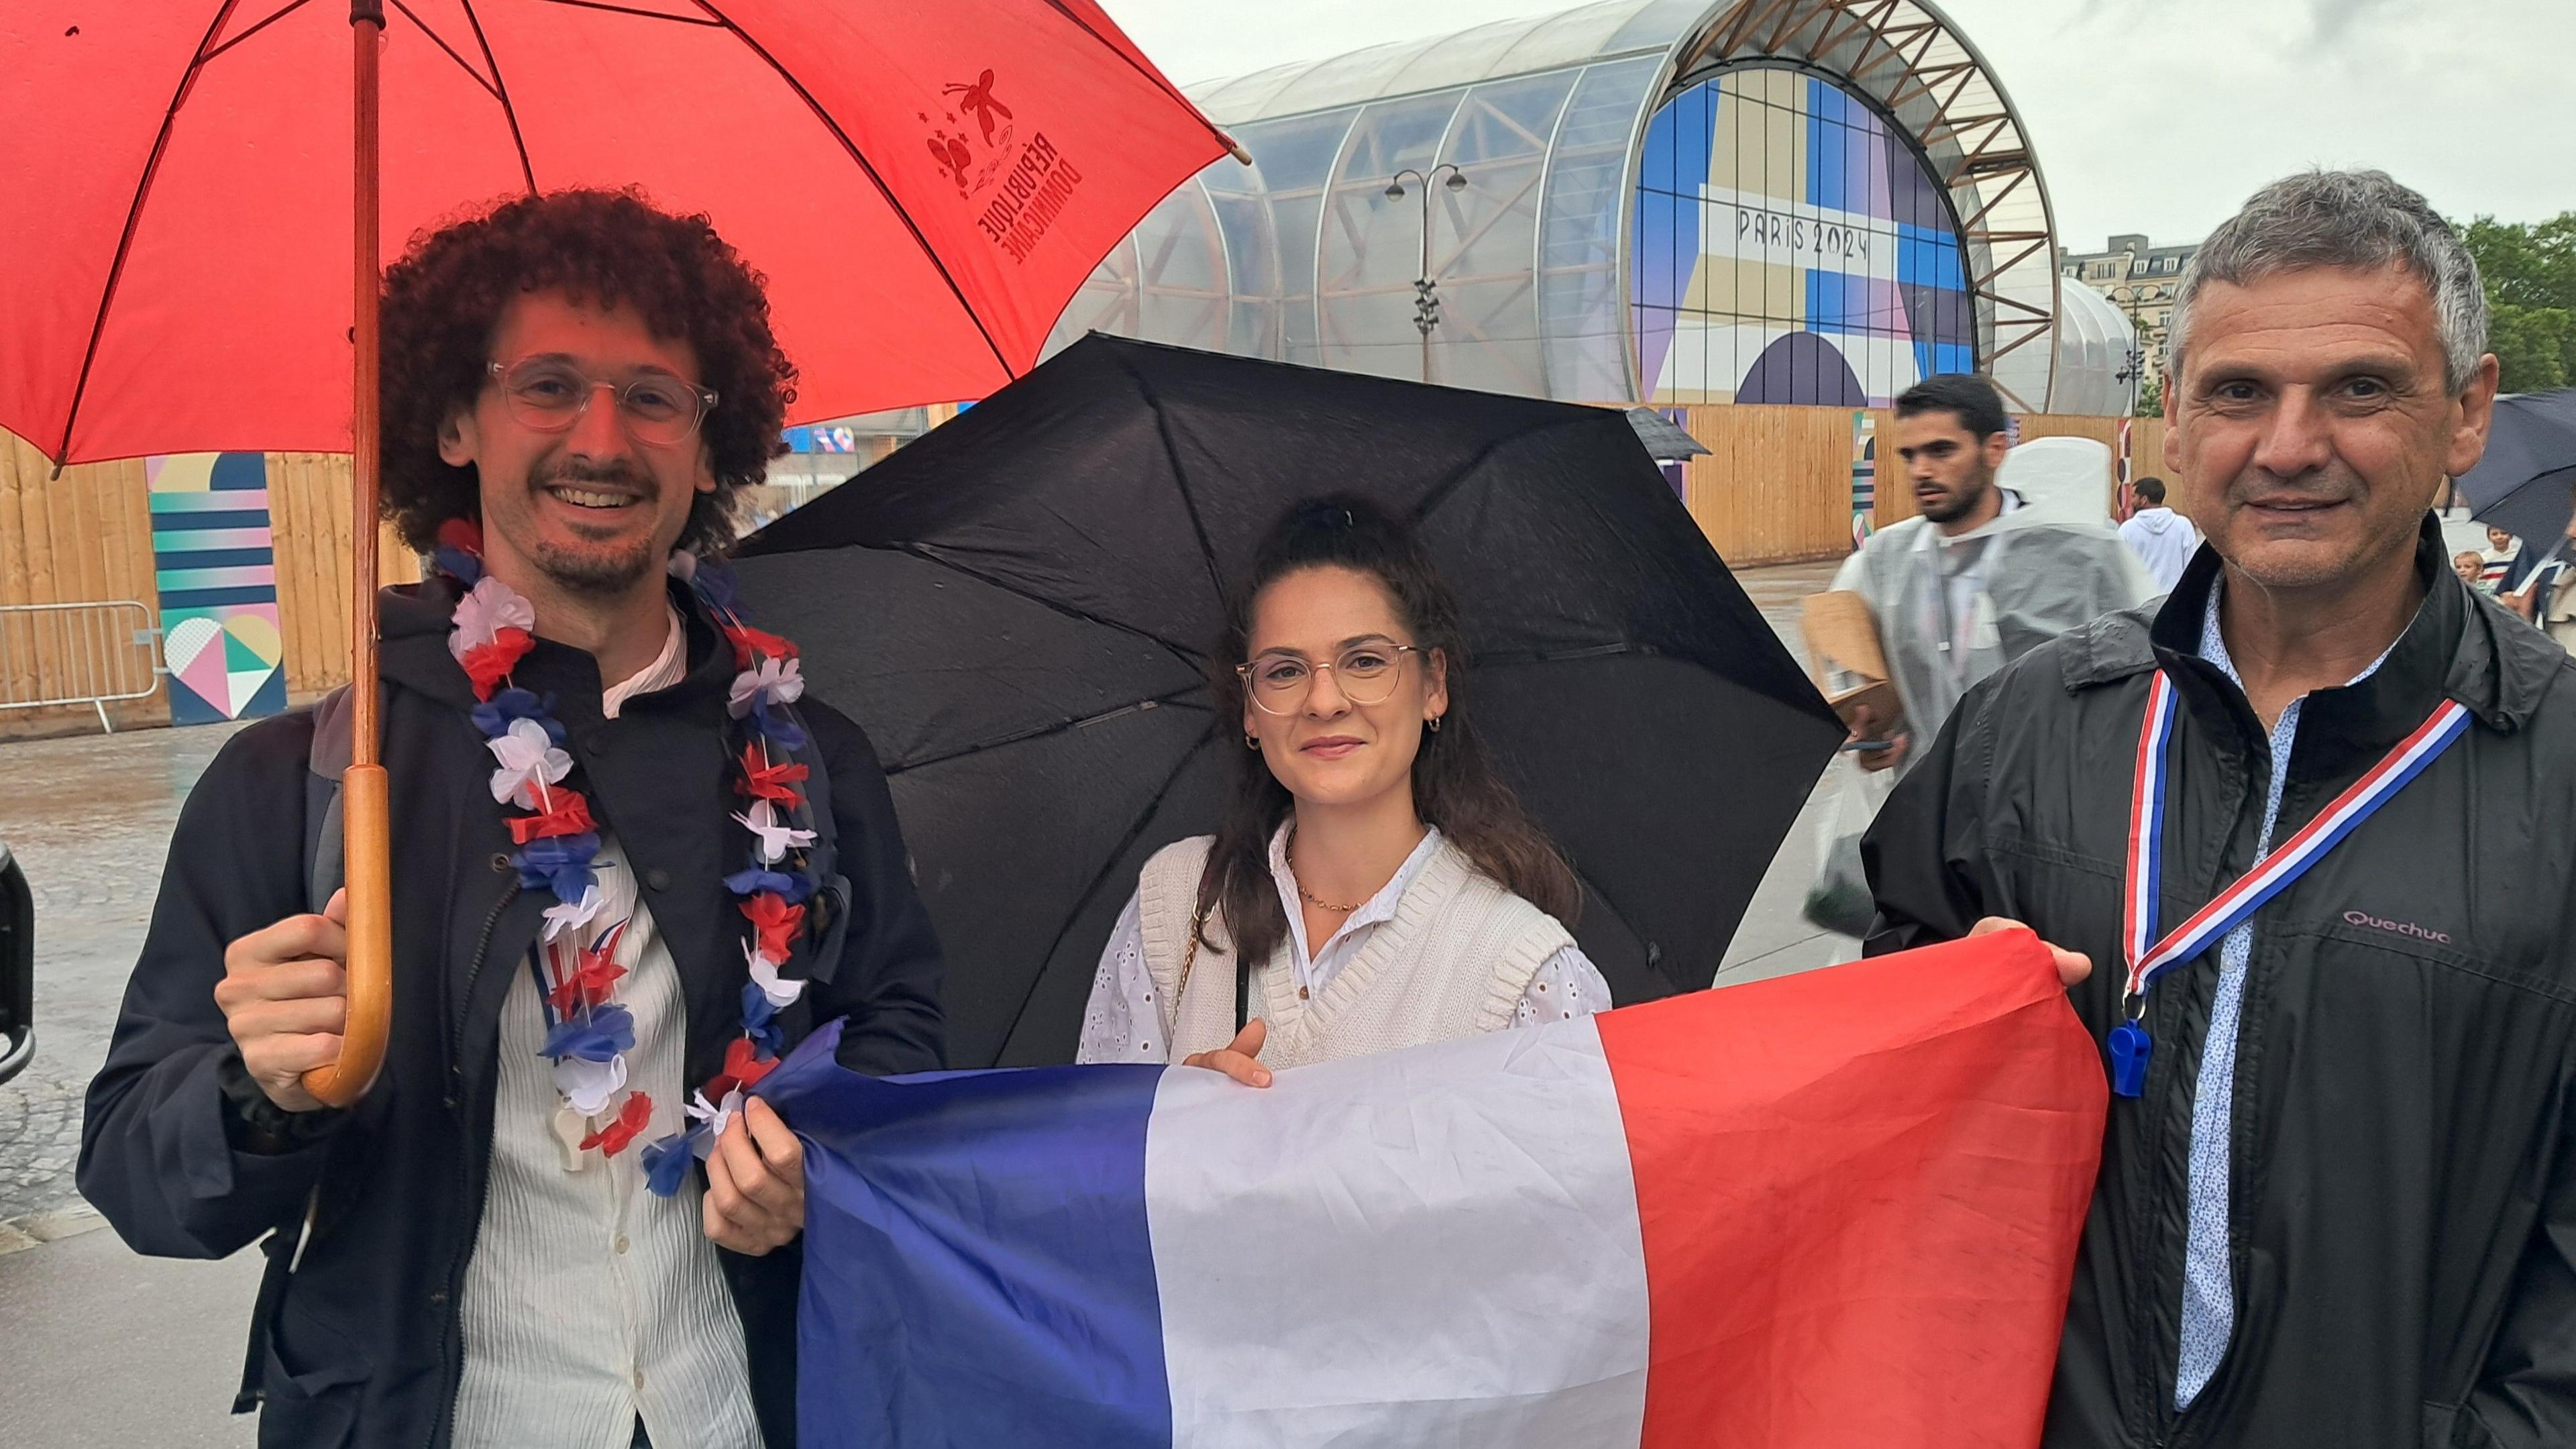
(2524, 483)
(1017, 608)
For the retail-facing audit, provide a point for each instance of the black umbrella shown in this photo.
(2524, 482)
(1018, 609)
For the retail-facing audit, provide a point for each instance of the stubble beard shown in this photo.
(1963, 502)
(594, 571)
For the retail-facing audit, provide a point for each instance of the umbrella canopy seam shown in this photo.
(639, 14)
(289, 8)
(1180, 479)
(902, 214)
(1589, 891)
(500, 90)
(1625, 647)
(1439, 493)
(479, 78)
(1039, 732)
(133, 215)
(1192, 657)
(1109, 863)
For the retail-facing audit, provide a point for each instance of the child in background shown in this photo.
(2471, 566)
(2502, 550)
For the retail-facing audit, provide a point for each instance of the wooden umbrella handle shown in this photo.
(367, 818)
(366, 796)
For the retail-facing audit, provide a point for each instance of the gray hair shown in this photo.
(2363, 220)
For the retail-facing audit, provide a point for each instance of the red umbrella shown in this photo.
(924, 185)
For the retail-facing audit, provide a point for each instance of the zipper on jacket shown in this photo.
(451, 1029)
(2167, 1422)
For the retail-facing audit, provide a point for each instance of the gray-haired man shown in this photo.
(2338, 1192)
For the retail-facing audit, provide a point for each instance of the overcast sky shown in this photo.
(2148, 115)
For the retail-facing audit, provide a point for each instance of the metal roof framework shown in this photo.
(1302, 257)
(1909, 60)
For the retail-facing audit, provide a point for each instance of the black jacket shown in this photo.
(363, 1346)
(2402, 1184)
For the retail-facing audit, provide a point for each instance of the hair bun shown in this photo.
(1327, 512)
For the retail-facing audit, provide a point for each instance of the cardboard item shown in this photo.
(1845, 659)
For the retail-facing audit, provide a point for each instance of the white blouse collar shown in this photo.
(1377, 910)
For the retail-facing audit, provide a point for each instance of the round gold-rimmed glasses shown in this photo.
(1279, 681)
(549, 394)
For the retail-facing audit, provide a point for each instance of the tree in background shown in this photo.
(2151, 396)
(2530, 274)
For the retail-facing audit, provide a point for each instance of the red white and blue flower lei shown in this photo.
(588, 1031)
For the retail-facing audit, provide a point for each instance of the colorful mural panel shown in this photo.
(217, 572)
(1788, 249)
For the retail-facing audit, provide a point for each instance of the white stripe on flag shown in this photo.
(1318, 1275)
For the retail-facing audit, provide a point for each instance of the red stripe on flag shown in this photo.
(1860, 1191)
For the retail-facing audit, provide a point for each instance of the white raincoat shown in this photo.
(2050, 563)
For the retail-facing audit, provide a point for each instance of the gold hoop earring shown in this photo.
(1434, 722)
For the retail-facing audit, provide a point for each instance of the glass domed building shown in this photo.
(1664, 201)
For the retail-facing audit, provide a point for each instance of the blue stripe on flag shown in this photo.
(962, 1229)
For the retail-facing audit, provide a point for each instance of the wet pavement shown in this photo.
(89, 819)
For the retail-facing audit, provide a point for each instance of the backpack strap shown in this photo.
(325, 759)
(325, 762)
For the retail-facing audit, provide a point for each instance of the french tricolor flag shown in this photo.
(1833, 1209)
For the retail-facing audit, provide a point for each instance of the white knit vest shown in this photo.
(1454, 961)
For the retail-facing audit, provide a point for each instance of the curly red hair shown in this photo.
(444, 300)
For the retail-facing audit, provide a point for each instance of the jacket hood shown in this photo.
(2461, 645)
(2156, 520)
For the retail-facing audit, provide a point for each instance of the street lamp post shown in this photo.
(2133, 364)
(1426, 292)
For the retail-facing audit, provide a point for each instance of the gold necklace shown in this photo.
(1308, 896)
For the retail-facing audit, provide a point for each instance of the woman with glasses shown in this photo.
(1374, 884)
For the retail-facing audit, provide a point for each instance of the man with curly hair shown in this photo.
(555, 1220)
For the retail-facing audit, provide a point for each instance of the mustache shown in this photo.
(579, 471)
(2321, 487)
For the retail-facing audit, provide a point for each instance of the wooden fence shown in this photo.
(83, 537)
(86, 537)
(1775, 486)
(308, 516)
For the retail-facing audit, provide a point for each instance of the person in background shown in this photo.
(2544, 591)
(1976, 580)
(2470, 565)
(2162, 539)
(2337, 1197)
(2496, 568)
(1374, 884)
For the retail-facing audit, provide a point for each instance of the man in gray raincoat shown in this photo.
(1985, 574)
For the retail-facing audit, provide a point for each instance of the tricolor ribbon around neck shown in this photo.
(2150, 956)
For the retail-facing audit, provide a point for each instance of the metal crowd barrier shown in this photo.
(66, 654)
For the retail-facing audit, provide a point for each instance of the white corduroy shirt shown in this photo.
(591, 1304)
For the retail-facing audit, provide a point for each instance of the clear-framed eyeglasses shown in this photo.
(1279, 681)
(550, 395)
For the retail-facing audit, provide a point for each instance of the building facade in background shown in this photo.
(1665, 202)
(2140, 280)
